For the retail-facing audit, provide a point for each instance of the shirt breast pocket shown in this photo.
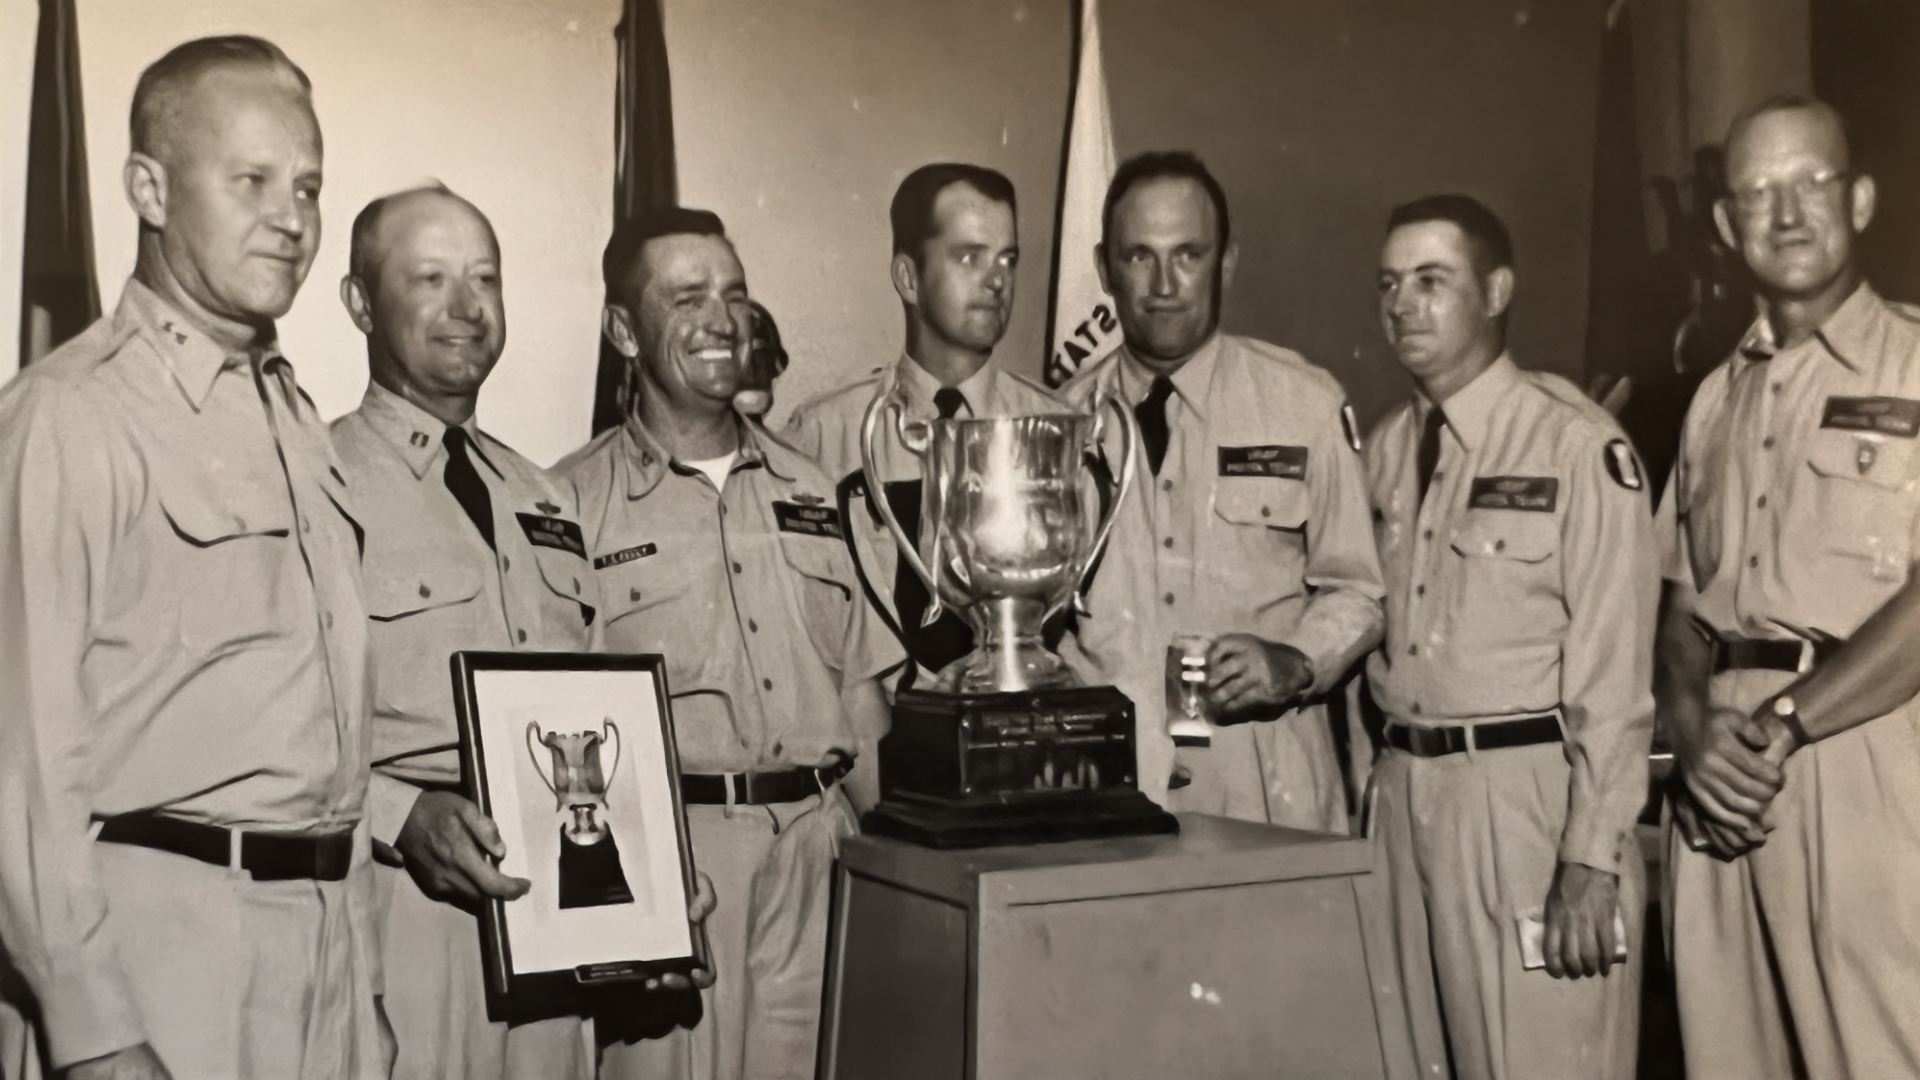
(234, 567)
(567, 601)
(436, 582)
(1506, 565)
(649, 576)
(1262, 552)
(1863, 500)
(824, 591)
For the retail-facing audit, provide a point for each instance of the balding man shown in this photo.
(1786, 674)
(467, 547)
(183, 690)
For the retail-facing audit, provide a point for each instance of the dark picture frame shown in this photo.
(573, 756)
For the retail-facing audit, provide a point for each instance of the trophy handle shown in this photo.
(1129, 438)
(877, 491)
(611, 736)
(534, 746)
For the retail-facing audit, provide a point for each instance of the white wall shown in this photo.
(508, 102)
(19, 25)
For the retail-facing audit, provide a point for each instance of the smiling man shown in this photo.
(719, 546)
(468, 546)
(1521, 580)
(956, 255)
(183, 686)
(1248, 521)
(1787, 673)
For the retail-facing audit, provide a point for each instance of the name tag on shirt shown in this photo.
(1286, 462)
(1514, 493)
(808, 520)
(1885, 415)
(624, 555)
(553, 532)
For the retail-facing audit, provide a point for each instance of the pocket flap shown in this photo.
(564, 572)
(205, 518)
(1271, 501)
(1886, 462)
(432, 583)
(817, 557)
(1522, 535)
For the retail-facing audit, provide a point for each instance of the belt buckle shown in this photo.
(331, 859)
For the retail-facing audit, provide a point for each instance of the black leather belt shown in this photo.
(1734, 654)
(761, 788)
(266, 856)
(1441, 740)
(1193, 740)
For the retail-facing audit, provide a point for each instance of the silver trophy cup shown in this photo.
(1009, 521)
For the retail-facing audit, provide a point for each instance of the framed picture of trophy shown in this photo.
(572, 756)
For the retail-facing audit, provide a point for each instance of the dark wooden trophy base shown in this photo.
(1021, 767)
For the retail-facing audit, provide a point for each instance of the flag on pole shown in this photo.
(1084, 326)
(59, 296)
(645, 178)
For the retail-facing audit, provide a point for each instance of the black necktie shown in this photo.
(1152, 415)
(948, 400)
(1429, 454)
(465, 483)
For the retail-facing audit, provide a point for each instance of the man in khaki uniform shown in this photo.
(720, 546)
(468, 546)
(1522, 575)
(955, 254)
(1787, 677)
(1248, 519)
(183, 690)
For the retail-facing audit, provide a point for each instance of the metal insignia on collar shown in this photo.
(1863, 456)
(810, 500)
(418, 438)
(1352, 427)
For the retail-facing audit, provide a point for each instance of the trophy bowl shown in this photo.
(1011, 527)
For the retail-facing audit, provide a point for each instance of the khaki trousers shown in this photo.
(772, 880)
(1282, 772)
(436, 1000)
(1802, 957)
(266, 980)
(1470, 842)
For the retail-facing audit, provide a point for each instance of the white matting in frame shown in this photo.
(575, 764)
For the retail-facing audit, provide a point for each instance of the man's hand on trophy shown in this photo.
(697, 912)
(450, 848)
(1250, 678)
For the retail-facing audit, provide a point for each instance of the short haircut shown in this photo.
(1787, 103)
(156, 96)
(1489, 243)
(1165, 165)
(913, 201)
(630, 238)
(362, 252)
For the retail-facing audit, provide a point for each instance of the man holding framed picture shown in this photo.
(468, 546)
(720, 546)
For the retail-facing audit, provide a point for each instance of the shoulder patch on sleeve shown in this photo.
(1351, 426)
(1622, 465)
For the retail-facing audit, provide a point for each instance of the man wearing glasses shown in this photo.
(1785, 674)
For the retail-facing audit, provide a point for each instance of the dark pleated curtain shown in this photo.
(58, 294)
(643, 177)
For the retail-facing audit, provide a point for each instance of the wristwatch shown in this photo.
(1789, 715)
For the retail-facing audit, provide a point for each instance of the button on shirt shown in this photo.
(1526, 580)
(1257, 523)
(747, 591)
(1795, 503)
(827, 429)
(180, 627)
(433, 586)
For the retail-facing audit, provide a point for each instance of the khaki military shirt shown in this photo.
(1257, 523)
(433, 586)
(180, 628)
(747, 591)
(827, 429)
(1795, 503)
(1527, 581)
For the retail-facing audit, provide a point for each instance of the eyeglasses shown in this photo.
(1759, 199)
